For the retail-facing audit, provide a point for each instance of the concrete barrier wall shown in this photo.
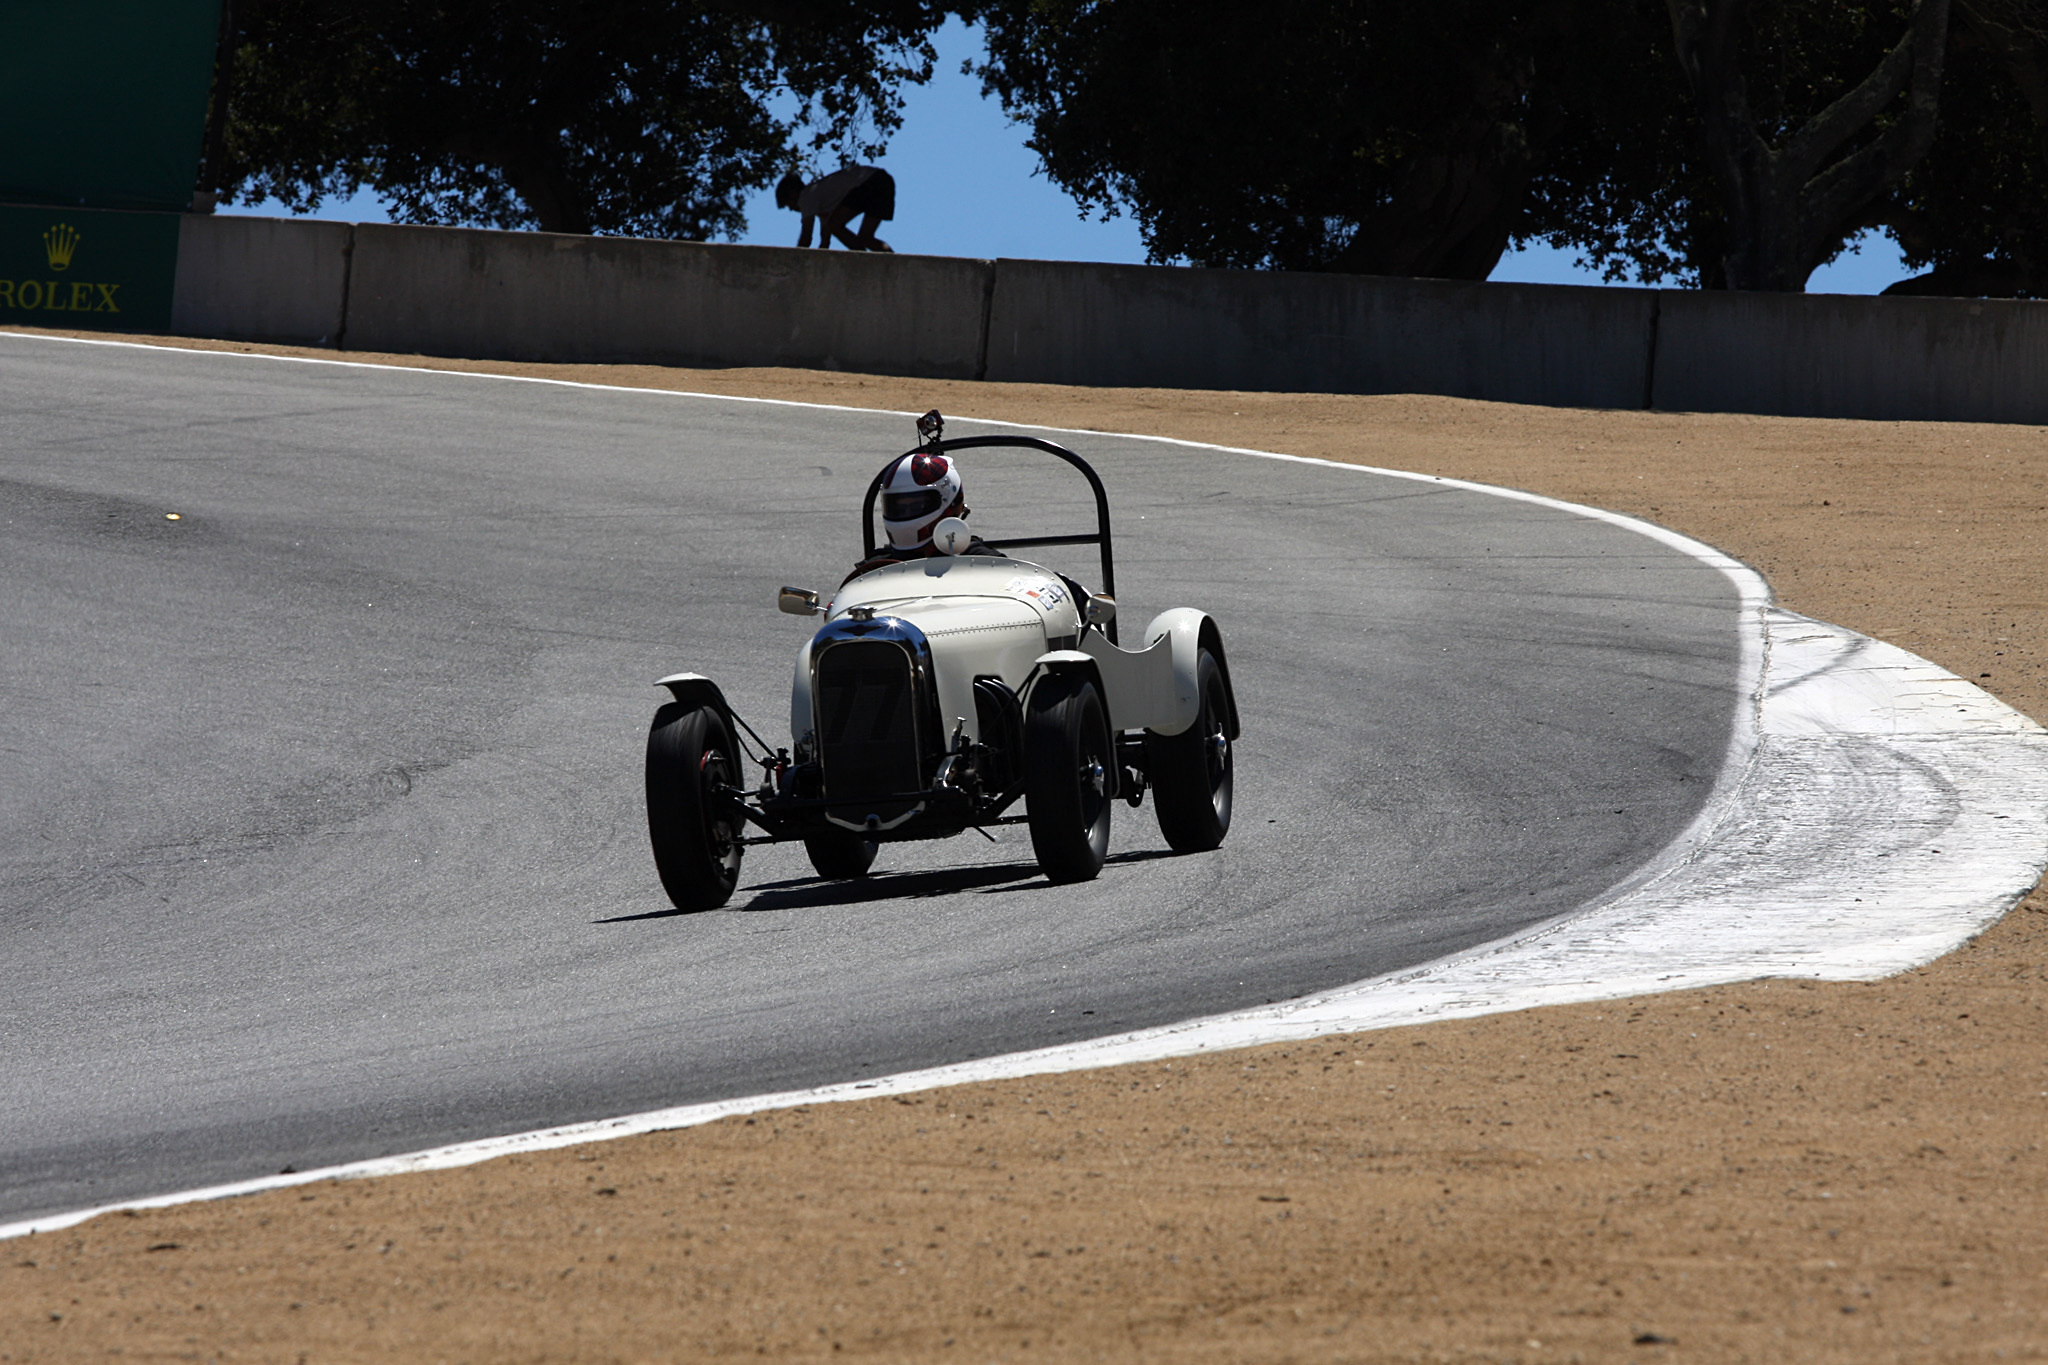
(543, 296)
(1061, 323)
(1838, 355)
(262, 279)
(539, 296)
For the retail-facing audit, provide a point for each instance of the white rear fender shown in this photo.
(1156, 688)
(1184, 633)
(1138, 686)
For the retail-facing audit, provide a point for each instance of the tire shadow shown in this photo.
(1136, 855)
(806, 893)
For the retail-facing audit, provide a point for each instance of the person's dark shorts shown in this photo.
(876, 195)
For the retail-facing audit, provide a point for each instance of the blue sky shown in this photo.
(967, 186)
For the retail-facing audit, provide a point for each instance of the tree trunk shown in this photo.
(1968, 280)
(1452, 214)
(532, 168)
(1789, 207)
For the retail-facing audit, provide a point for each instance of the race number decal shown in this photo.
(1047, 593)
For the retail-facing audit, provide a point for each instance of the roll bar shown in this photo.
(940, 447)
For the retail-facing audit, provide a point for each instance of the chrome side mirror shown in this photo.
(797, 601)
(1101, 609)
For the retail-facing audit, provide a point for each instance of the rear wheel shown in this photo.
(1067, 758)
(691, 759)
(1191, 772)
(839, 856)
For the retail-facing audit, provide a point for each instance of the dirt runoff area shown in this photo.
(1771, 1172)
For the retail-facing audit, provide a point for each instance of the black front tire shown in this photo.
(1067, 772)
(1192, 772)
(696, 833)
(838, 857)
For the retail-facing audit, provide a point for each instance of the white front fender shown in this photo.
(800, 697)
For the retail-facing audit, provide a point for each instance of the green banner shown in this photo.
(86, 268)
(103, 102)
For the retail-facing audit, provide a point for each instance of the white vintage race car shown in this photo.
(937, 693)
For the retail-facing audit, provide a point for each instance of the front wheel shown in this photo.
(1192, 771)
(1067, 758)
(691, 763)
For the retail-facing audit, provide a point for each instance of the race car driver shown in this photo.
(919, 491)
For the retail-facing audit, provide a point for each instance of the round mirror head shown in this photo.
(951, 536)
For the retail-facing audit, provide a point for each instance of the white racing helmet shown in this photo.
(918, 492)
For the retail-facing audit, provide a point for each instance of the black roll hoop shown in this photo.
(931, 427)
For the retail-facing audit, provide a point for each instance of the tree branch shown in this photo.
(1706, 34)
(2017, 30)
(1845, 187)
(1854, 110)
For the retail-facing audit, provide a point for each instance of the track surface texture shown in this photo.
(320, 819)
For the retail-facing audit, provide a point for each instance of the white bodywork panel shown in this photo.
(1139, 685)
(1178, 632)
(987, 615)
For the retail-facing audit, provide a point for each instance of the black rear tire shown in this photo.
(696, 834)
(840, 856)
(1067, 758)
(1192, 772)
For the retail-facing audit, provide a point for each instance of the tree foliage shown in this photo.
(1357, 135)
(1973, 216)
(1719, 143)
(1796, 164)
(623, 116)
(1799, 168)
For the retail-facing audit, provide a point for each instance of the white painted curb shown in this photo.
(1874, 812)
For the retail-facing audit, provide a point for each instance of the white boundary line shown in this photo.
(1821, 767)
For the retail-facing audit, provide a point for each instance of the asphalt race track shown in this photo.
(321, 832)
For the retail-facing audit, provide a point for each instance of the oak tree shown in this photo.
(1714, 143)
(1799, 169)
(1973, 216)
(647, 117)
(1355, 135)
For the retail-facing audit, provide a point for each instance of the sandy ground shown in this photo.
(1771, 1172)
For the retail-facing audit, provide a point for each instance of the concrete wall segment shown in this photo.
(1068, 323)
(279, 280)
(1838, 355)
(548, 297)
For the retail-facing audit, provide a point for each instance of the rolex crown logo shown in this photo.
(58, 243)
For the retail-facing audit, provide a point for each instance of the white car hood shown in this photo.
(947, 594)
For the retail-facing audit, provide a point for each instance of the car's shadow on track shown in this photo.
(1136, 855)
(804, 893)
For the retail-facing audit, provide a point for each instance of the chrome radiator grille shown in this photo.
(867, 721)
